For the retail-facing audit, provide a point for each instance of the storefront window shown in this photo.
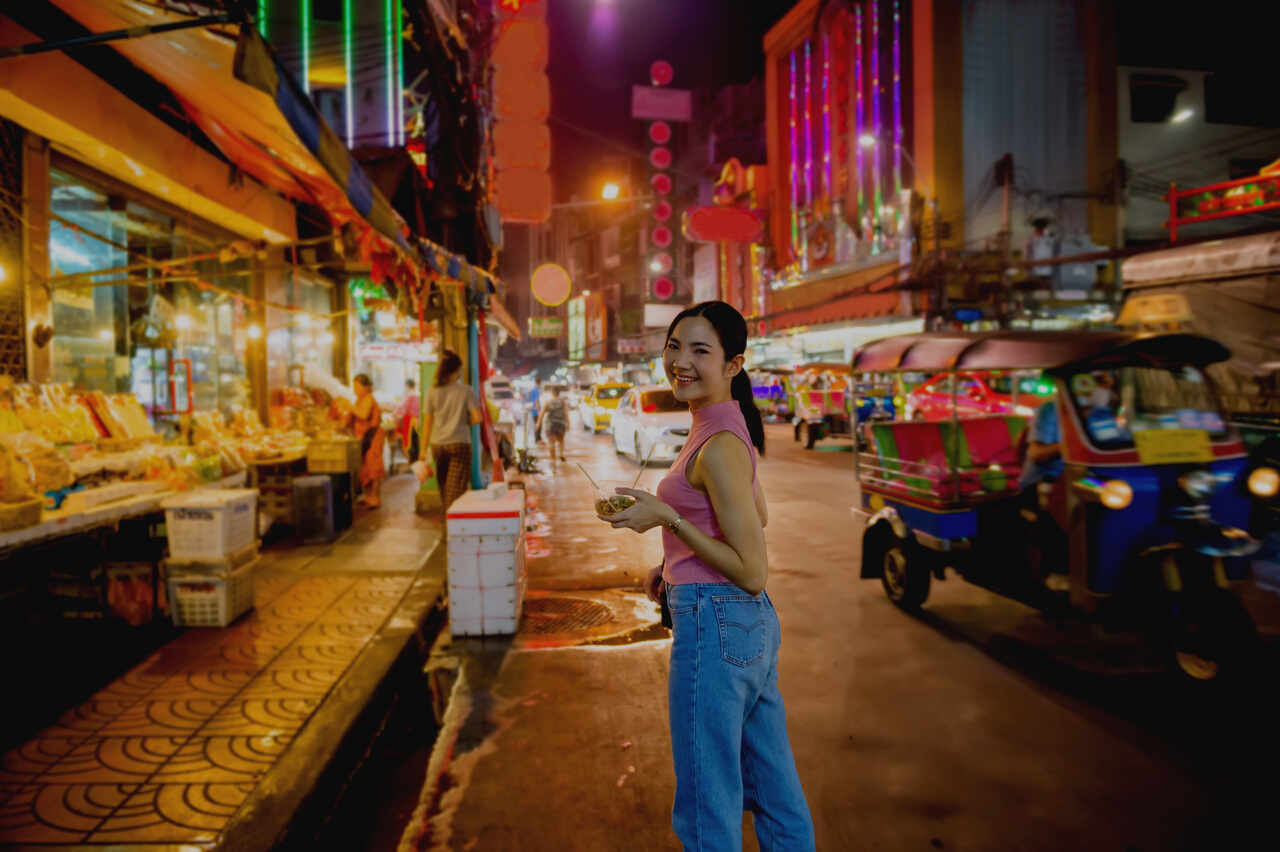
(300, 342)
(142, 319)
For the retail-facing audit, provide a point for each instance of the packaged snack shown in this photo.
(18, 478)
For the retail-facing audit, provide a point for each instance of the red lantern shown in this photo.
(663, 289)
(660, 158)
(660, 132)
(662, 236)
(661, 184)
(662, 211)
(661, 73)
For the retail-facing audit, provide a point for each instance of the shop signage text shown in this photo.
(546, 327)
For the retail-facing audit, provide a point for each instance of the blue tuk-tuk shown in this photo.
(1142, 525)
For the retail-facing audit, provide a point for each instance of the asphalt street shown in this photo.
(980, 724)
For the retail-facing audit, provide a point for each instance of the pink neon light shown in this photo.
(828, 177)
(795, 161)
(897, 95)
(877, 122)
(859, 87)
(808, 126)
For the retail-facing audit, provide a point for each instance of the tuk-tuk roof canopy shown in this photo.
(944, 351)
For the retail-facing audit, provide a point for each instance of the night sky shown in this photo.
(600, 48)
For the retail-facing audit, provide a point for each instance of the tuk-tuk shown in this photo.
(823, 404)
(1142, 526)
(771, 387)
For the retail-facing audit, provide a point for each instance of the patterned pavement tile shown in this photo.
(176, 717)
(173, 813)
(213, 684)
(24, 763)
(86, 719)
(292, 683)
(331, 634)
(333, 655)
(113, 760)
(59, 813)
(228, 760)
(261, 717)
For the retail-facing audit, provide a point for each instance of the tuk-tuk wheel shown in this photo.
(806, 434)
(1203, 635)
(903, 574)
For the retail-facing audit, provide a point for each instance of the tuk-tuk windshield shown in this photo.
(1113, 404)
(1002, 383)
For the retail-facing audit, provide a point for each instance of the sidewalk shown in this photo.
(223, 736)
(557, 738)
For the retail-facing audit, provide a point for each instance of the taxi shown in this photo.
(598, 406)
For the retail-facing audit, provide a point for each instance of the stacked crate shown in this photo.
(213, 553)
(487, 578)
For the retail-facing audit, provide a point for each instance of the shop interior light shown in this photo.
(304, 320)
(327, 337)
(107, 335)
(255, 332)
(1183, 115)
(586, 292)
(867, 140)
(3, 273)
(183, 321)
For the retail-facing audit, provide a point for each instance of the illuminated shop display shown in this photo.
(844, 83)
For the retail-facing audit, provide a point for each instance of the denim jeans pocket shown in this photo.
(743, 630)
(682, 599)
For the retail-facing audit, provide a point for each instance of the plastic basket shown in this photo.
(211, 523)
(211, 600)
(333, 456)
(19, 516)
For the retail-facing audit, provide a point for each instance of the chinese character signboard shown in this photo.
(546, 327)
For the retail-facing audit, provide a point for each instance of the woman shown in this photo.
(555, 415)
(449, 412)
(366, 419)
(728, 724)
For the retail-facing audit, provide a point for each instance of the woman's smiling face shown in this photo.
(695, 364)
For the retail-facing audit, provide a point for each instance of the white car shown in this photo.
(500, 392)
(651, 419)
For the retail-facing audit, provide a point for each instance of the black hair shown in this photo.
(731, 328)
(555, 390)
(450, 364)
(410, 384)
(363, 379)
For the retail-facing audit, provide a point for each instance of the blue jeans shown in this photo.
(728, 724)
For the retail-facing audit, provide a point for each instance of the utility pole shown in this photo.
(1004, 177)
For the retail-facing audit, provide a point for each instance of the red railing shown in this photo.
(1222, 200)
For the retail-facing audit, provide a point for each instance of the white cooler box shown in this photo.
(487, 579)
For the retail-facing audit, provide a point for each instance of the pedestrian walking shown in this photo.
(449, 411)
(406, 418)
(535, 400)
(366, 422)
(555, 417)
(728, 724)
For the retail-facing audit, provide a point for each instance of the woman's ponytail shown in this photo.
(741, 389)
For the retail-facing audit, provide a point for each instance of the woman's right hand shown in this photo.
(653, 584)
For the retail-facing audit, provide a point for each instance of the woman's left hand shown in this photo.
(647, 513)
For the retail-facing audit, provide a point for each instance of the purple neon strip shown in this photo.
(877, 122)
(808, 125)
(897, 95)
(795, 161)
(859, 86)
(828, 177)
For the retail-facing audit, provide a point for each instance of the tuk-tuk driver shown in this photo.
(1044, 451)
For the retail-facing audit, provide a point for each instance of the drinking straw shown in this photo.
(588, 476)
(643, 466)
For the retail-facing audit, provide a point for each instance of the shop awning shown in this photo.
(854, 306)
(231, 85)
(498, 315)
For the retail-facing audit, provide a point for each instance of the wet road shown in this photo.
(979, 725)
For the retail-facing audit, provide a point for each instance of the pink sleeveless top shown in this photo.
(682, 564)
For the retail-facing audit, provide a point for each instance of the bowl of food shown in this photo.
(608, 501)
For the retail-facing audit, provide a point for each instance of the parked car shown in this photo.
(649, 419)
(978, 393)
(598, 406)
(501, 394)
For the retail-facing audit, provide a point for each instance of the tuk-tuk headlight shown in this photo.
(1199, 484)
(1264, 482)
(1117, 494)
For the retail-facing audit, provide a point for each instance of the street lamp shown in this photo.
(868, 140)
(610, 191)
(1183, 115)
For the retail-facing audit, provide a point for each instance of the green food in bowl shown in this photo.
(613, 505)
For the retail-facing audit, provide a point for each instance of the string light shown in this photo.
(306, 45)
(348, 26)
(859, 85)
(795, 161)
(897, 95)
(877, 119)
(183, 322)
(255, 332)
